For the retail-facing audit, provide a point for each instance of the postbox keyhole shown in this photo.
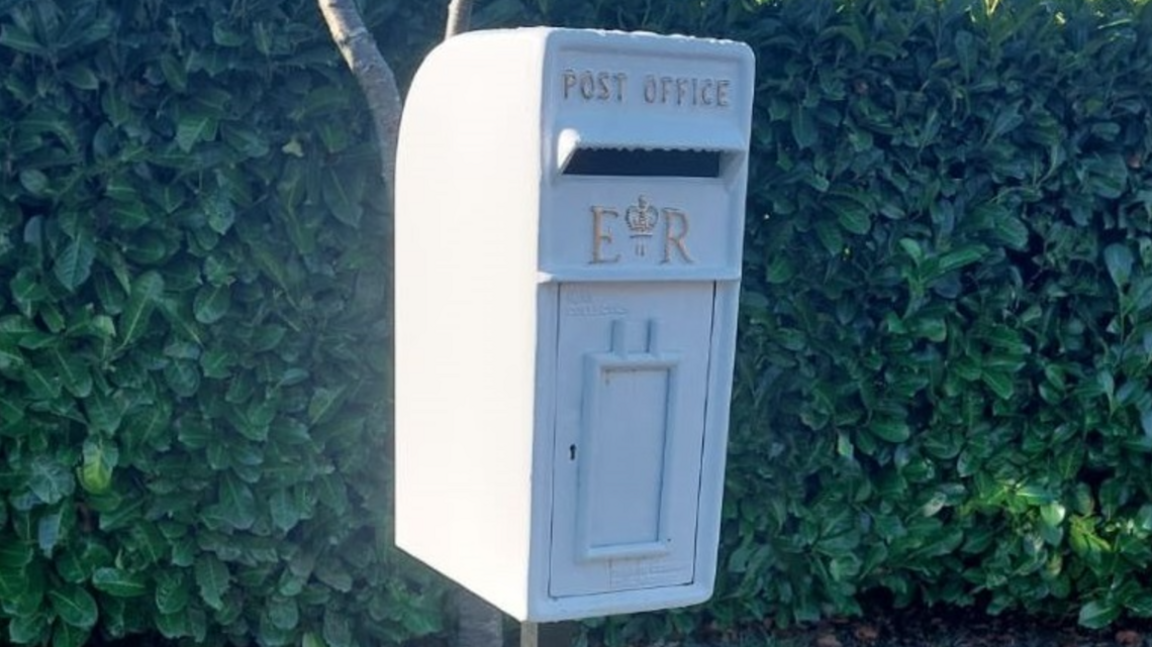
(571, 452)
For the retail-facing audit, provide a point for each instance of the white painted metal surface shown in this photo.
(630, 402)
(568, 237)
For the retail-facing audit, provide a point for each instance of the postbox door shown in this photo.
(632, 374)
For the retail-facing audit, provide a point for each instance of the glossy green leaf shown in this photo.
(893, 431)
(104, 411)
(173, 626)
(225, 37)
(48, 529)
(119, 583)
(193, 129)
(1118, 259)
(28, 629)
(130, 215)
(245, 140)
(96, 470)
(962, 257)
(49, 480)
(213, 580)
(830, 236)
(853, 217)
(74, 264)
(66, 635)
(81, 77)
(237, 504)
(146, 290)
(324, 400)
(71, 567)
(20, 40)
(1011, 231)
(172, 592)
(1095, 615)
(34, 181)
(285, 512)
(1000, 383)
(183, 377)
(221, 213)
(74, 605)
(10, 358)
(174, 72)
(212, 303)
(804, 127)
(14, 554)
(343, 192)
(283, 612)
(73, 372)
(337, 631)
(1052, 514)
(146, 541)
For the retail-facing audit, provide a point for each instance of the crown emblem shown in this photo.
(641, 218)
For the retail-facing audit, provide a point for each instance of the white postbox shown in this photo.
(569, 222)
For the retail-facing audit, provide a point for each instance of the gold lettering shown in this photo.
(650, 89)
(604, 91)
(602, 235)
(706, 88)
(675, 239)
(569, 82)
(621, 78)
(722, 92)
(587, 85)
(610, 85)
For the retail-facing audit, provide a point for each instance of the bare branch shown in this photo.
(459, 18)
(373, 74)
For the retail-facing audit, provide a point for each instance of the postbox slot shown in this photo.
(625, 162)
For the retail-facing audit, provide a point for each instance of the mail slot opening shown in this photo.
(626, 162)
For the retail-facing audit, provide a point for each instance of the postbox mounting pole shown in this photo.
(547, 634)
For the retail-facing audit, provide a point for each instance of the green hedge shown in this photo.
(943, 374)
(193, 327)
(942, 389)
(942, 385)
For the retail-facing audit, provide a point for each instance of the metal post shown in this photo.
(478, 624)
(551, 634)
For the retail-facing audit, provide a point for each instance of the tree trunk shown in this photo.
(459, 18)
(373, 74)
